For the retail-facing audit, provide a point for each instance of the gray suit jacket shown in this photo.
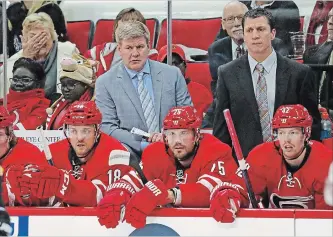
(120, 104)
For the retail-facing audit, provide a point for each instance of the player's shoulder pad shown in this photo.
(262, 151)
(213, 146)
(119, 157)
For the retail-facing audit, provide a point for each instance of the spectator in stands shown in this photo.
(252, 101)
(323, 54)
(76, 83)
(18, 11)
(138, 92)
(40, 43)
(317, 29)
(106, 53)
(26, 97)
(231, 47)
(15, 151)
(201, 96)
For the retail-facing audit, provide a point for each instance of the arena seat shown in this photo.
(186, 32)
(199, 72)
(80, 33)
(104, 30)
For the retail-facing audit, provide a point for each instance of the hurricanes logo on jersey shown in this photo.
(298, 202)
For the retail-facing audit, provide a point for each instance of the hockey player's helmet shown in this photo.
(288, 116)
(83, 113)
(5, 119)
(182, 117)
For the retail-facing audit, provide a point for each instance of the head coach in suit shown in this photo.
(256, 84)
(138, 92)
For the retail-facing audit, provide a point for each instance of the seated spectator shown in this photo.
(85, 163)
(26, 99)
(289, 172)
(188, 166)
(76, 83)
(106, 53)
(18, 11)
(323, 54)
(40, 43)
(138, 92)
(317, 29)
(15, 151)
(201, 96)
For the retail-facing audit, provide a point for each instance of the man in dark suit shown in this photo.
(255, 85)
(231, 47)
(323, 54)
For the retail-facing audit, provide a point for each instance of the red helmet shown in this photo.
(83, 113)
(182, 117)
(288, 116)
(5, 119)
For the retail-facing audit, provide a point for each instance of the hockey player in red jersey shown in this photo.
(83, 163)
(15, 151)
(289, 172)
(181, 172)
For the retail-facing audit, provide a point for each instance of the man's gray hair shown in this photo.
(130, 30)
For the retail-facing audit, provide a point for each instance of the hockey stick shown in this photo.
(240, 157)
(46, 148)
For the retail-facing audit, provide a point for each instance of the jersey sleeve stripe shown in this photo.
(130, 180)
(99, 193)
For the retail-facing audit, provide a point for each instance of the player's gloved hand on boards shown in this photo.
(142, 203)
(111, 207)
(12, 192)
(45, 181)
(225, 202)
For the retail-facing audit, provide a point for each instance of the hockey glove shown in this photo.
(225, 202)
(46, 181)
(111, 207)
(12, 192)
(142, 203)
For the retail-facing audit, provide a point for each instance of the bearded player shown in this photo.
(182, 171)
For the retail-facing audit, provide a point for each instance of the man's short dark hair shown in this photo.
(258, 12)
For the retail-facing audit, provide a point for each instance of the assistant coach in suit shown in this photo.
(138, 92)
(256, 84)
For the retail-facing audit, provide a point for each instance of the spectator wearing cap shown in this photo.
(106, 53)
(201, 96)
(76, 84)
(26, 97)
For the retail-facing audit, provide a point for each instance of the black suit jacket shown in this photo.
(220, 53)
(294, 85)
(319, 54)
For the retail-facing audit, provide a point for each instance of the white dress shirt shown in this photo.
(270, 65)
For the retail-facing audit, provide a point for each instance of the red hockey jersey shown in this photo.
(29, 108)
(93, 177)
(284, 188)
(212, 165)
(23, 153)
